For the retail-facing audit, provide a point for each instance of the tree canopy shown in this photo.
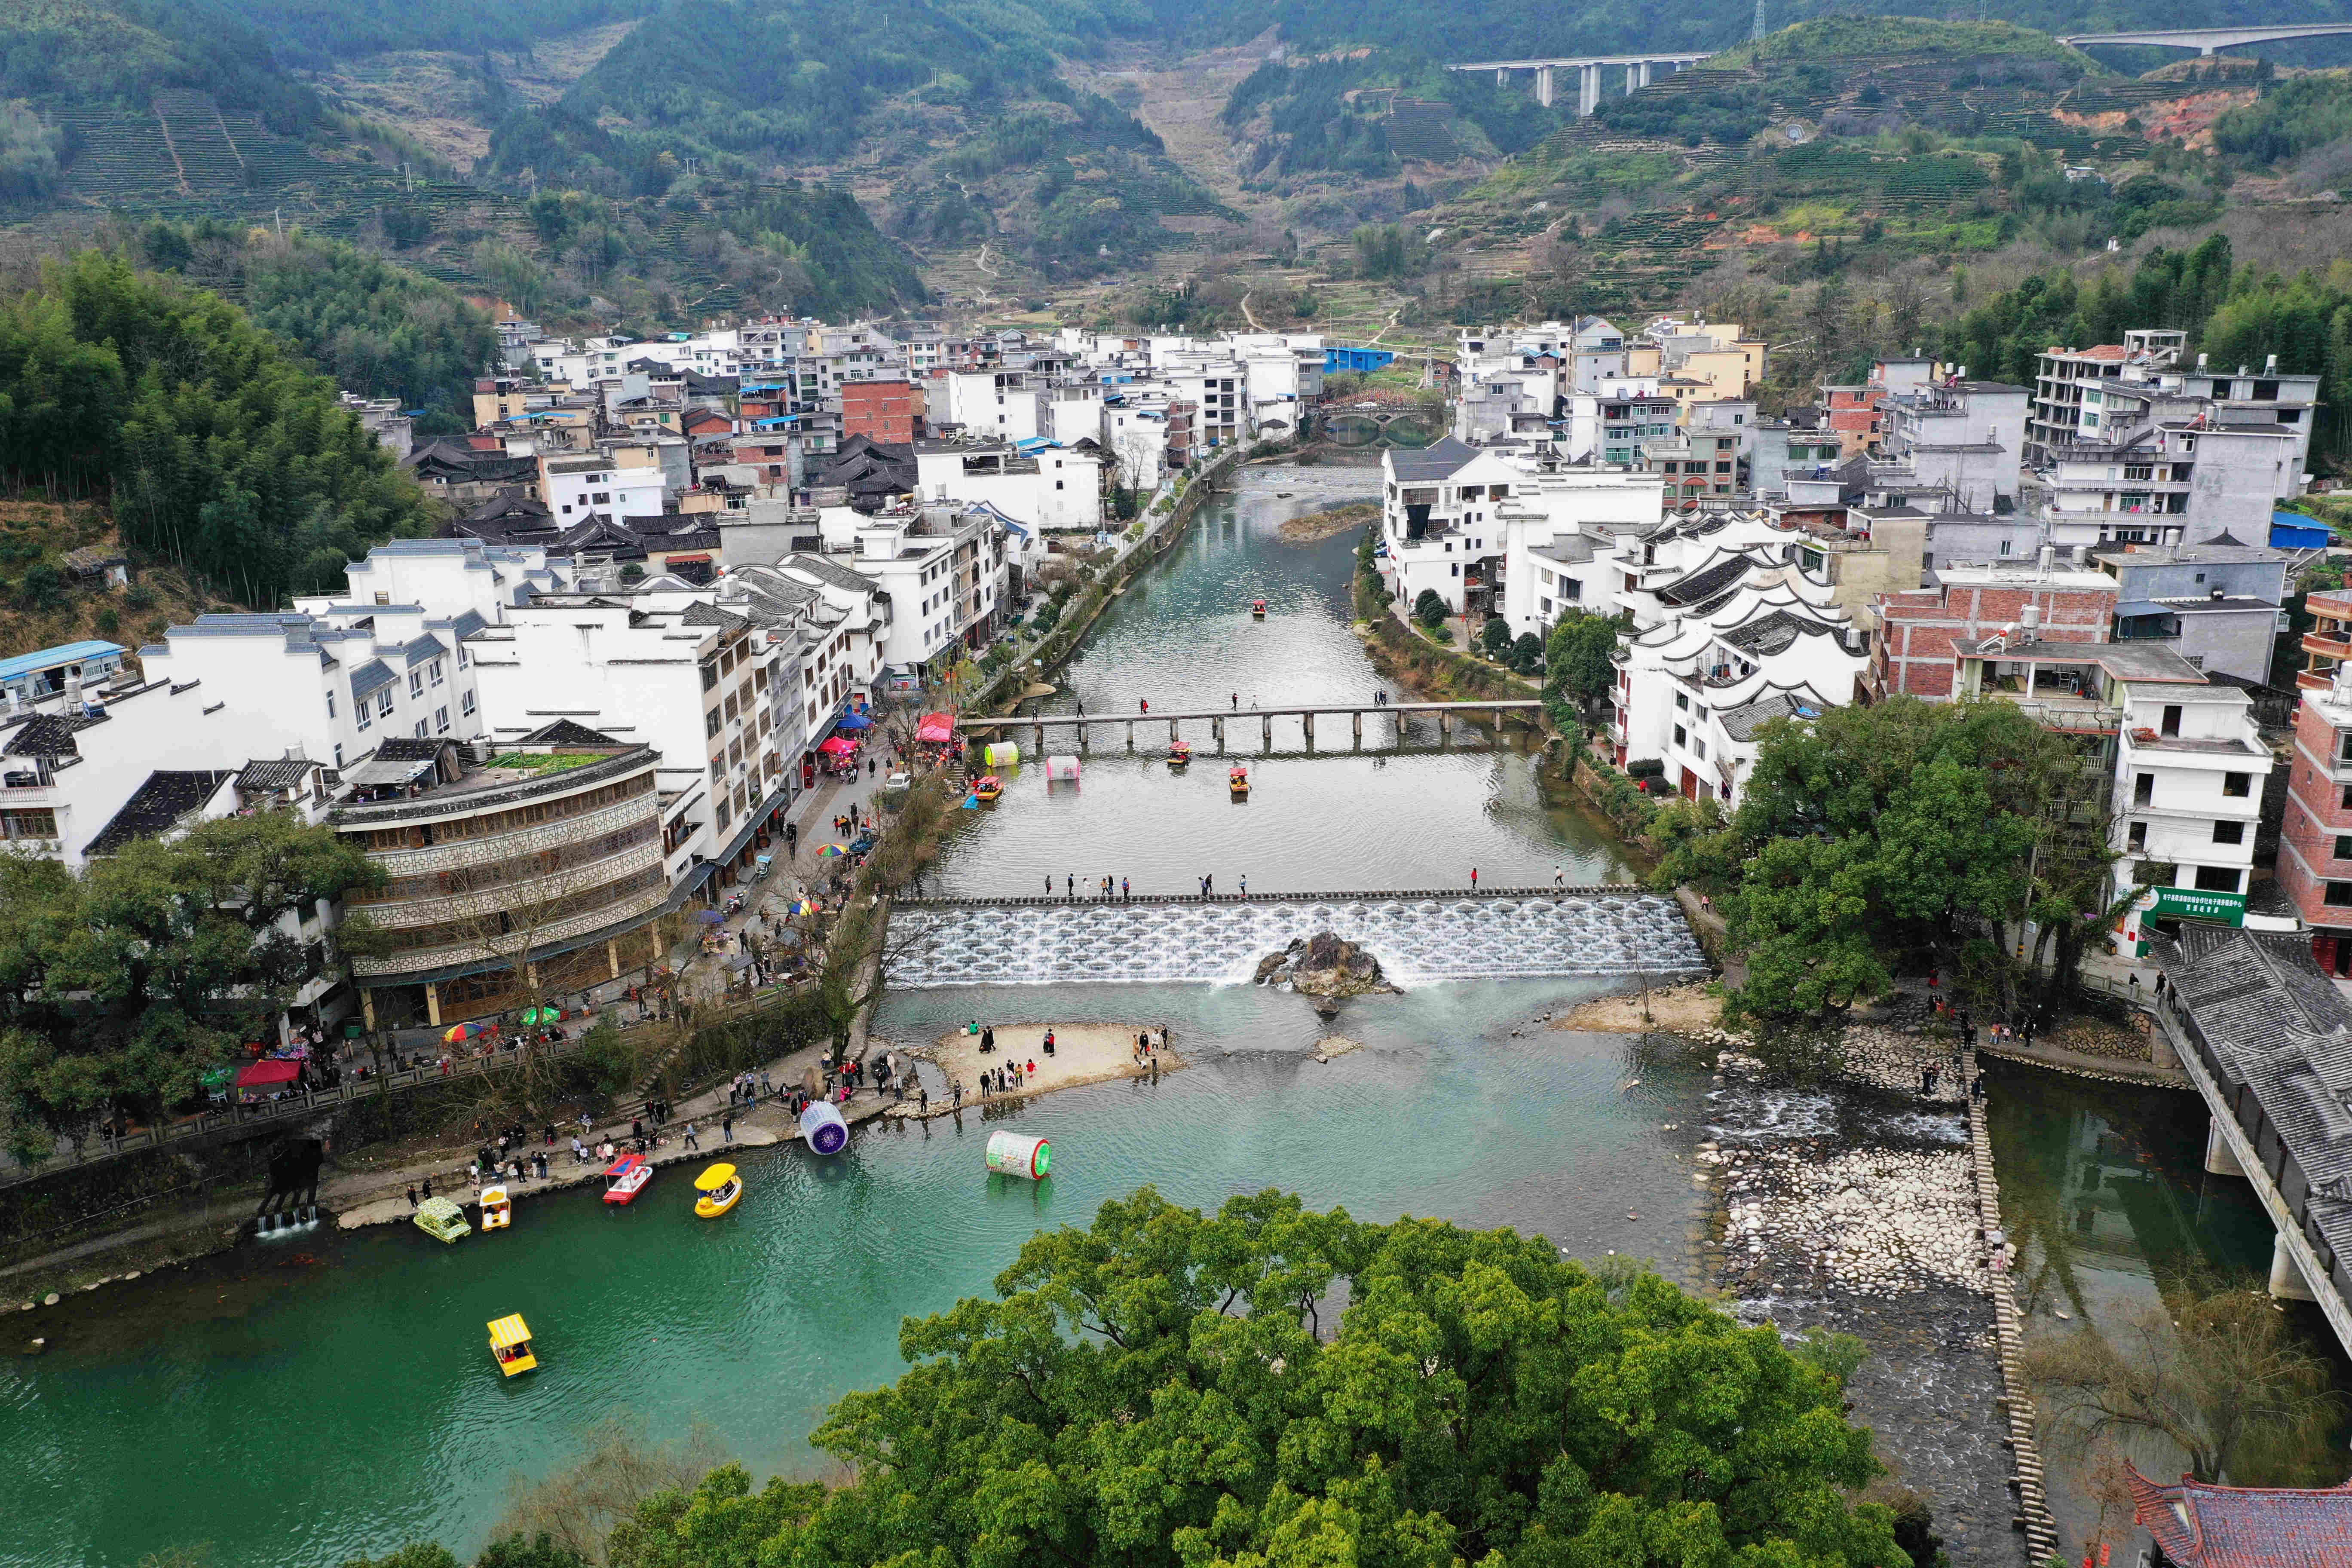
(1169, 1388)
(379, 329)
(122, 985)
(219, 449)
(1904, 825)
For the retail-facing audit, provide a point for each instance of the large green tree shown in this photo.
(122, 983)
(1166, 1388)
(1907, 826)
(1579, 667)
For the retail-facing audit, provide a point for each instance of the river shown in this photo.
(304, 1400)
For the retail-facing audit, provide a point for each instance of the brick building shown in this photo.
(878, 410)
(1920, 631)
(2314, 856)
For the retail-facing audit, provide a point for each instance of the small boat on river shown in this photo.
(1238, 781)
(721, 1188)
(989, 788)
(498, 1209)
(511, 1345)
(443, 1220)
(1257, 608)
(625, 1178)
(1180, 753)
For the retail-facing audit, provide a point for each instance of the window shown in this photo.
(416, 683)
(462, 661)
(2340, 894)
(466, 704)
(2136, 839)
(441, 720)
(2171, 721)
(331, 704)
(1680, 738)
(436, 671)
(2143, 790)
(2237, 785)
(1682, 700)
(2217, 878)
(2229, 832)
(420, 729)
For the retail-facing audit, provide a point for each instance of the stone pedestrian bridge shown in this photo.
(1492, 712)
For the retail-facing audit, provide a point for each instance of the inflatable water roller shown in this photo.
(1013, 1155)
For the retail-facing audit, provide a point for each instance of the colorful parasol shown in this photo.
(457, 1032)
(830, 850)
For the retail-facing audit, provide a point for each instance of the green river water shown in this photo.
(303, 1400)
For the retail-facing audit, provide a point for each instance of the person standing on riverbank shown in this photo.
(692, 1142)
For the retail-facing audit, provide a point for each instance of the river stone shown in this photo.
(50, 1299)
(1324, 965)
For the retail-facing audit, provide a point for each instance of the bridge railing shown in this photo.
(1351, 896)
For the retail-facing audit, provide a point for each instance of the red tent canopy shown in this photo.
(936, 729)
(264, 1074)
(838, 746)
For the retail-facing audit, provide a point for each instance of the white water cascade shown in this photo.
(1418, 940)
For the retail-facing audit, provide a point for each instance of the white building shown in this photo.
(1744, 638)
(665, 670)
(1049, 487)
(575, 488)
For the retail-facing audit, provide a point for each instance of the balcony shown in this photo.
(2322, 643)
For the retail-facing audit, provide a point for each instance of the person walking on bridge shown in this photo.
(1146, 704)
(1237, 702)
(1474, 879)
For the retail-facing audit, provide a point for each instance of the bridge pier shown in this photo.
(1644, 69)
(1631, 74)
(1217, 732)
(1502, 76)
(1174, 735)
(1266, 721)
(1082, 737)
(1037, 738)
(1444, 728)
(2218, 1160)
(1588, 91)
(2287, 1283)
(1308, 719)
(1358, 717)
(1131, 734)
(1544, 85)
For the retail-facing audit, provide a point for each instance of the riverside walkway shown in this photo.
(1494, 710)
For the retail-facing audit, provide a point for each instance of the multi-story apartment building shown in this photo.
(534, 870)
(1923, 632)
(1696, 465)
(668, 670)
(2217, 605)
(1963, 439)
(1610, 423)
(2176, 481)
(2315, 853)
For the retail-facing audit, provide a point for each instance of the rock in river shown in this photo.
(1323, 964)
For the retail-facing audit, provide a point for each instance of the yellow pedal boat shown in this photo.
(721, 1188)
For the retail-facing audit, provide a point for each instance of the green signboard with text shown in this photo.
(2191, 903)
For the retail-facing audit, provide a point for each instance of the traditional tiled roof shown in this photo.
(51, 735)
(411, 749)
(157, 807)
(274, 773)
(369, 678)
(2202, 1526)
(1706, 583)
(565, 732)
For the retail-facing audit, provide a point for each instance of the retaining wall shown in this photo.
(2033, 1503)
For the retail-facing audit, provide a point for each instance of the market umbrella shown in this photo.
(838, 746)
(460, 1032)
(854, 722)
(830, 850)
(709, 917)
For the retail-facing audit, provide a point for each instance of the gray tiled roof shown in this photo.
(1438, 461)
(369, 678)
